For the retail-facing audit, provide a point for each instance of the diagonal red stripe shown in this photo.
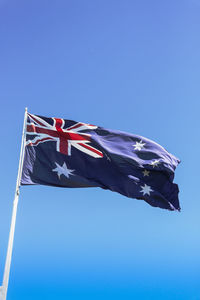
(91, 149)
(31, 116)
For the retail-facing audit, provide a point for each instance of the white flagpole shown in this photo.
(4, 287)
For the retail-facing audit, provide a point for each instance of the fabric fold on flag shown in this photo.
(65, 153)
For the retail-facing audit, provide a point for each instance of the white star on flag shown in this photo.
(62, 170)
(155, 163)
(146, 173)
(139, 145)
(146, 189)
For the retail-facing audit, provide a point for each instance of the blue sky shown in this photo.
(128, 65)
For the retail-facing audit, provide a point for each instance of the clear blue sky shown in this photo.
(128, 65)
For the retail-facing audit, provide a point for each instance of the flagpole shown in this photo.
(4, 287)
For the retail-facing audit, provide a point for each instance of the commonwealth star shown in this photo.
(62, 170)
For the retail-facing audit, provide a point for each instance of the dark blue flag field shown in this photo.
(71, 154)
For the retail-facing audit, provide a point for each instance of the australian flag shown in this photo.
(71, 154)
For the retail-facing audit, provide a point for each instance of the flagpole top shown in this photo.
(26, 109)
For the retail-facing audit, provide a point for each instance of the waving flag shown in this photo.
(66, 153)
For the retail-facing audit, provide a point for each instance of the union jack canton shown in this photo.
(66, 153)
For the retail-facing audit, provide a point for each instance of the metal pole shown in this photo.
(4, 287)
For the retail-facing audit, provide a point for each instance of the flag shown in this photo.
(65, 153)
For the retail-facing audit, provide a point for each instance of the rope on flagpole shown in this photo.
(4, 287)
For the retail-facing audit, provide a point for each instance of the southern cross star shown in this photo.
(155, 163)
(139, 145)
(146, 173)
(62, 170)
(146, 189)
